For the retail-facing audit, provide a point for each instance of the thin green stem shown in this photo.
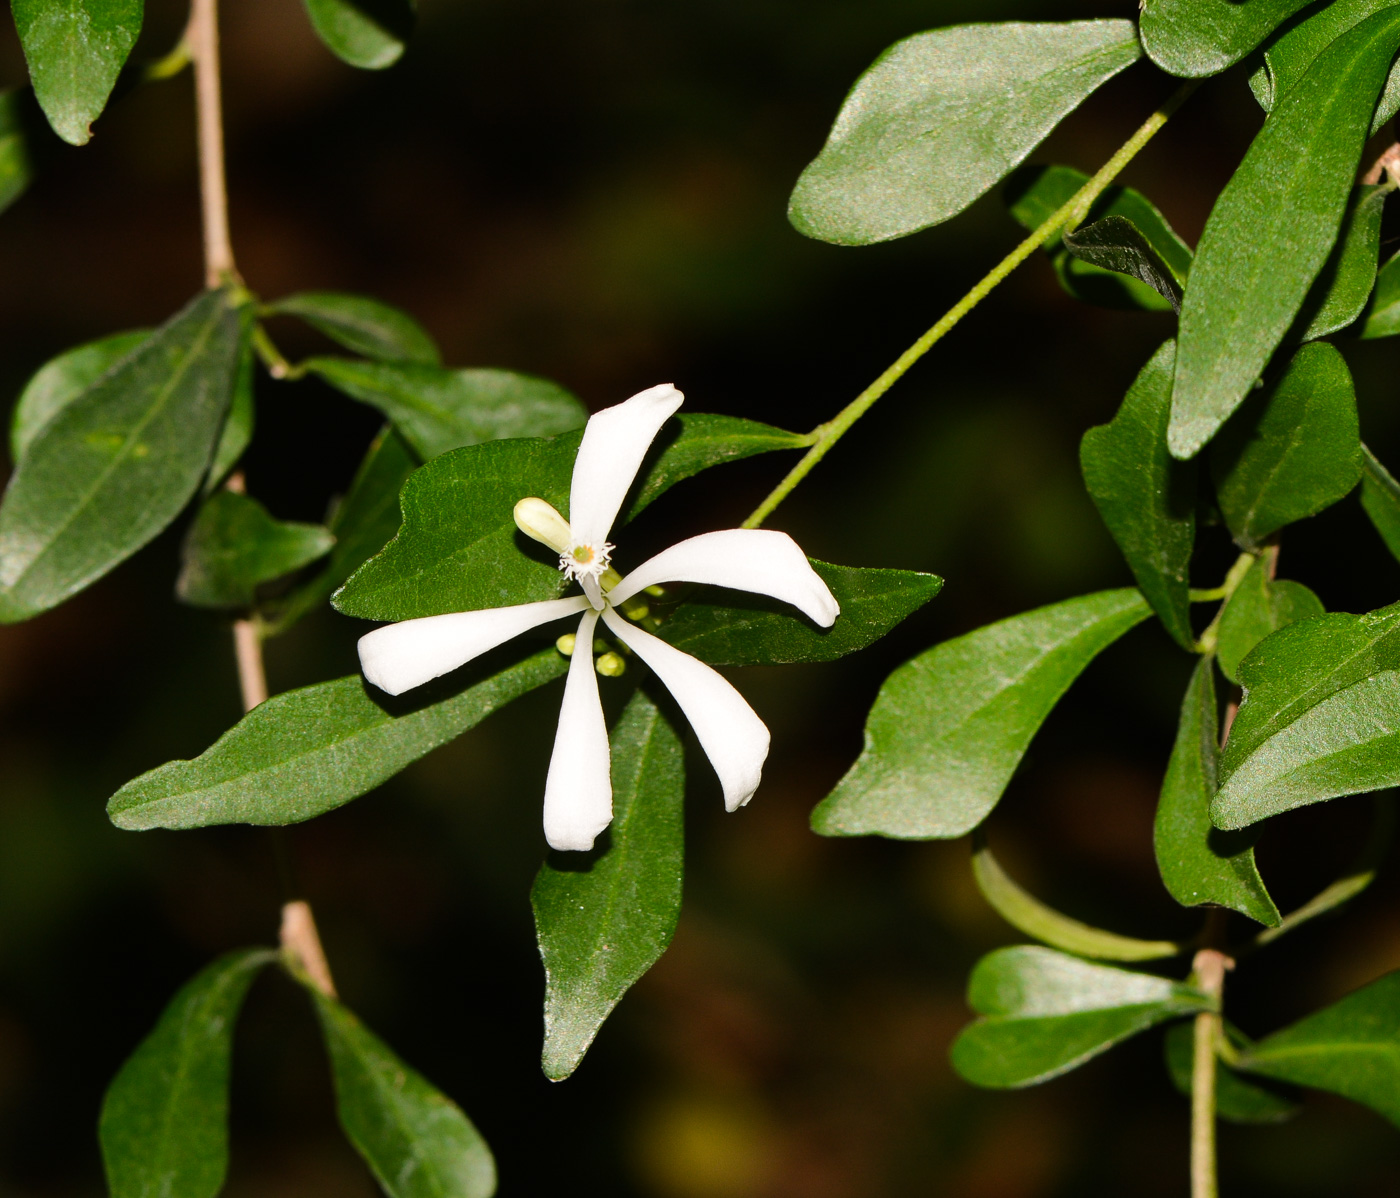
(1208, 973)
(1211, 636)
(1064, 217)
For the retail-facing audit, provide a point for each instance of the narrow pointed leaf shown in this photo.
(369, 34)
(437, 410)
(1340, 293)
(605, 918)
(308, 751)
(941, 116)
(1351, 1048)
(730, 628)
(363, 326)
(1238, 1097)
(1259, 606)
(1115, 243)
(1273, 228)
(1201, 865)
(118, 464)
(237, 433)
(1145, 496)
(1045, 1013)
(416, 1140)
(1292, 451)
(1203, 37)
(234, 545)
(75, 50)
(164, 1124)
(1380, 497)
(1383, 314)
(949, 728)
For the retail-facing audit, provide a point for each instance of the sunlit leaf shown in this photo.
(363, 326)
(1203, 37)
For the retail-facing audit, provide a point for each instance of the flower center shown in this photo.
(586, 561)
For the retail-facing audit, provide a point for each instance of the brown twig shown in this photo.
(302, 945)
(202, 37)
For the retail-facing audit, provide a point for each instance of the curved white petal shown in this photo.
(578, 792)
(614, 443)
(401, 656)
(747, 559)
(733, 737)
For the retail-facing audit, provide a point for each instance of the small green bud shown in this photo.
(610, 665)
(565, 644)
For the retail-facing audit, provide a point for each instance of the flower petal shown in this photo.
(747, 559)
(733, 737)
(578, 791)
(401, 656)
(614, 443)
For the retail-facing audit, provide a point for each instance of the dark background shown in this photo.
(595, 191)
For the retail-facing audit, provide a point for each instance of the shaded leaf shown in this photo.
(363, 326)
(16, 169)
(1383, 314)
(941, 116)
(237, 433)
(365, 33)
(603, 919)
(1194, 38)
(1045, 1013)
(1341, 291)
(1147, 498)
(1273, 228)
(1115, 243)
(1292, 451)
(117, 465)
(1380, 497)
(949, 727)
(1260, 605)
(732, 628)
(1201, 865)
(1238, 1098)
(164, 1124)
(308, 751)
(437, 410)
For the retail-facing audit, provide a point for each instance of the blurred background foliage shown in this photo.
(594, 190)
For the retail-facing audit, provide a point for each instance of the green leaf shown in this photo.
(1147, 498)
(1351, 1048)
(237, 432)
(1273, 228)
(1045, 1013)
(438, 410)
(1341, 291)
(1259, 606)
(1291, 451)
(459, 549)
(1380, 497)
(731, 628)
(1383, 315)
(164, 1124)
(1288, 55)
(949, 728)
(118, 464)
(1238, 1098)
(603, 919)
(365, 33)
(16, 169)
(1202, 37)
(75, 50)
(1199, 864)
(1116, 244)
(61, 380)
(234, 545)
(362, 524)
(416, 1140)
(309, 751)
(363, 326)
(941, 116)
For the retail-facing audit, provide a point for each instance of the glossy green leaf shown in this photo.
(237, 433)
(1116, 244)
(416, 1140)
(1201, 865)
(1288, 56)
(1202, 37)
(164, 1124)
(941, 116)
(16, 169)
(603, 919)
(949, 728)
(1273, 228)
(1383, 314)
(459, 549)
(1260, 605)
(437, 410)
(1380, 497)
(1292, 451)
(1145, 496)
(308, 751)
(118, 464)
(1238, 1097)
(234, 546)
(363, 326)
(1045, 1013)
(1351, 1048)
(362, 524)
(365, 33)
(75, 50)
(1341, 291)
(731, 628)
(60, 381)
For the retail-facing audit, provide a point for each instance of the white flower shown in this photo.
(578, 793)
